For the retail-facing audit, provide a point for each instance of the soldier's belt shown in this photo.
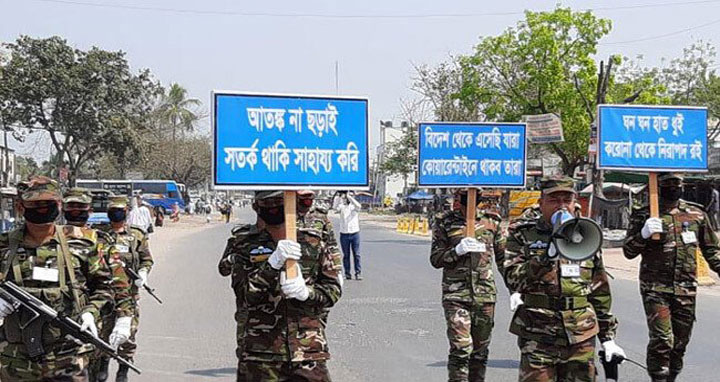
(555, 303)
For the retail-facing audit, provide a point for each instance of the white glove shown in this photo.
(611, 349)
(652, 226)
(467, 245)
(515, 301)
(121, 332)
(6, 308)
(286, 249)
(143, 273)
(294, 288)
(88, 323)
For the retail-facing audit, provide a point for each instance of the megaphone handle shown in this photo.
(654, 204)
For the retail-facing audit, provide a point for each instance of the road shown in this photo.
(388, 327)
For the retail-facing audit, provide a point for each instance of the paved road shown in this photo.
(389, 327)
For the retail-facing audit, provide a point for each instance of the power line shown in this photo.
(351, 16)
(650, 38)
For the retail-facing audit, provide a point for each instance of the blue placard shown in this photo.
(652, 138)
(289, 142)
(472, 154)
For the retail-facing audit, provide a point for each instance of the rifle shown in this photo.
(42, 314)
(611, 368)
(135, 276)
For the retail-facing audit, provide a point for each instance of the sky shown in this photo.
(286, 46)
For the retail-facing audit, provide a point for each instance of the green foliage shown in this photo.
(399, 156)
(88, 102)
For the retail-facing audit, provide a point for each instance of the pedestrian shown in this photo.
(159, 216)
(139, 215)
(565, 305)
(77, 208)
(175, 215)
(468, 285)
(668, 281)
(129, 245)
(349, 210)
(284, 338)
(75, 286)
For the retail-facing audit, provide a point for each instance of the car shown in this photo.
(100, 202)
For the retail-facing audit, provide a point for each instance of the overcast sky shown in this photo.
(285, 46)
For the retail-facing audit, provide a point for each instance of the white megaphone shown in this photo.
(575, 238)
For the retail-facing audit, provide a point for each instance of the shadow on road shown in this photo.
(214, 372)
(493, 363)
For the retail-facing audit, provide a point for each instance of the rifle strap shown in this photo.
(67, 259)
(14, 238)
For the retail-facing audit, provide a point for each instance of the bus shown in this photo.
(163, 193)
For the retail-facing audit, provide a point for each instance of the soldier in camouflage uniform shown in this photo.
(77, 208)
(668, 272)
(62, 267)
(127, 247)
(566, 304)
(468, 285)
(308, 217)
(284, 335)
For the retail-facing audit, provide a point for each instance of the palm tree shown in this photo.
(178, 111)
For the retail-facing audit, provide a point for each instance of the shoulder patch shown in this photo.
(137, 228)
(242, 229)
(693, 204)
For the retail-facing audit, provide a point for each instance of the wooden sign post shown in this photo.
(471, 212)
(654, 203)
(290, 230)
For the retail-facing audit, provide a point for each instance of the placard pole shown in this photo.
(290, 230)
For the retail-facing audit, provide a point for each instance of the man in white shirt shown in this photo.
(349, 210)
(139, 215)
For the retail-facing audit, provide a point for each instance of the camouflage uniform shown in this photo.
(64, 359)
(228, 266)
(123, 306)
(285, 338)
(468, 289)
(668, 280)
(557, 324)
(128, 248)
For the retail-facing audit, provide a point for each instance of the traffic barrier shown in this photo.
(703, 270)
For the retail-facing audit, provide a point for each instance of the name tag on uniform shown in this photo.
(45, 274)
(122, 248)
(689, 237)
(570, 270)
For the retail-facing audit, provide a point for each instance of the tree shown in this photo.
(88, 102)
(26, 167)
(399, 156)
(177, 112)
(533, 69)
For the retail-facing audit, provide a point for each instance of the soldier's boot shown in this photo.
(102, 374)
(122, 374)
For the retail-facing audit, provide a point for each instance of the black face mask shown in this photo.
(273, 215)
(670, 194)
(116, 216)
(79, 217)
(42, 215)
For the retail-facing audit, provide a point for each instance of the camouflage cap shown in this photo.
(118, 202)
(259, 195)
(668, 176)
(557, 183)
(39, 188)
(77, 195)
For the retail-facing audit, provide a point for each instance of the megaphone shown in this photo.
(575, 238)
